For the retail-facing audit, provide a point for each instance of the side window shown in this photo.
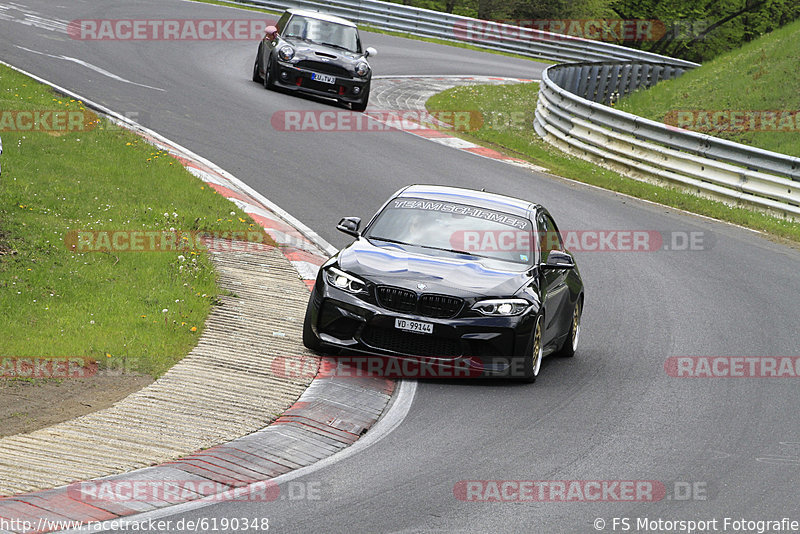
(549, 237)
(282, 22)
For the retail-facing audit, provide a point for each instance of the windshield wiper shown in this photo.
(388, 240)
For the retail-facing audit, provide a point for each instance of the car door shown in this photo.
(556, 291)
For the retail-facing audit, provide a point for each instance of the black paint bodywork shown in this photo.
(342, 321)
(310, 57)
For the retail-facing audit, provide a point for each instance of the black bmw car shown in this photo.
(458, 277)
(317, 54)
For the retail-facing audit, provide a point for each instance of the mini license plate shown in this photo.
(413, 326)
(324, 78)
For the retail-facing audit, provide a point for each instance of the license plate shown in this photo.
(413, 326)
(324, 78)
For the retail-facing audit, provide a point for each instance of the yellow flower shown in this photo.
(108, 355)
(194, 329)
(142, 316)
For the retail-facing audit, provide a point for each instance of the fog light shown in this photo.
(356, 90)
(284, 75)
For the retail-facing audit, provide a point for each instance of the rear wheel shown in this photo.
(533, 359)
(571, 342)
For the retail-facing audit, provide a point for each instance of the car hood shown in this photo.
(392, 265)
(327, 54)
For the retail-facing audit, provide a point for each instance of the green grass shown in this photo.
(100, 305)
(762, 75)
(507, 112)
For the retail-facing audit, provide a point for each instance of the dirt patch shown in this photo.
(26, 406)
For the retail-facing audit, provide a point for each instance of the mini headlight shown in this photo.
(344, 281)
(501, 307)
(286, 52)
(362, 69)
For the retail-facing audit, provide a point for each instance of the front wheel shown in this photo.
(571, 342)
(269, 82)
(533, 358)
(256, 68)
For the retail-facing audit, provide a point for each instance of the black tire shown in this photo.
(571, 342)
(257, 68)
(533, 357)
(310, 339)
(269, 82)
(361, 105)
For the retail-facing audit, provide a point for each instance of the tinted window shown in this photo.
(549, 237)
(323, 32)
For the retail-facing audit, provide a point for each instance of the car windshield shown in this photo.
(456, 228)
(322, 32)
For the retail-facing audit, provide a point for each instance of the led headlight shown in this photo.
(362, 69)
(342, 280)
(286, 52)
(501, 307)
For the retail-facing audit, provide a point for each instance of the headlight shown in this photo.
(501, 307)
(342, 280)
(362, 69)
(286, 52)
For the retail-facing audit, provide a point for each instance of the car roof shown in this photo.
(321, 16)
(471, 197)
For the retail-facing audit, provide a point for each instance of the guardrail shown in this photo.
(501, 37)
(572, 114)
(572, 110)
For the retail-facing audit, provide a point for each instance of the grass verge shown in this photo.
(139, 311)
(733, 88)
(507, 111)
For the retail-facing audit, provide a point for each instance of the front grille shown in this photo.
(439, 306)
(405, 301)
(409, 343)
(324, 68)
(397, 299)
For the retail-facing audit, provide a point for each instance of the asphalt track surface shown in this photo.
(611, 413)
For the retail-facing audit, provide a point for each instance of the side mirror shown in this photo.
(370, 52)
(349, 225)
(557, 259)
(272, 32)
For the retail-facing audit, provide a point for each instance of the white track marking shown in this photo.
(90, 66)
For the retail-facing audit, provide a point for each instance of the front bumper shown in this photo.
(346, 89)
(469, 346)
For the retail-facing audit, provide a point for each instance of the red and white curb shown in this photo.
(440, 135)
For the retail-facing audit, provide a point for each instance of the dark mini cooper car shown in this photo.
(459, 277)
(317, 54)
